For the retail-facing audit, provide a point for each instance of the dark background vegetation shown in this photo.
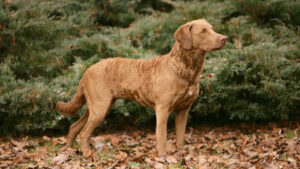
(45, 46)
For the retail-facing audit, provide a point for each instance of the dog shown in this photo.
(168, 83)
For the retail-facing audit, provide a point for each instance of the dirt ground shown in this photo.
(255, 146)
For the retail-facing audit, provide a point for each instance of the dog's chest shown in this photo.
(186, 97)
(191, 93)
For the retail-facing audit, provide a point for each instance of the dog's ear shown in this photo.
(183, 36)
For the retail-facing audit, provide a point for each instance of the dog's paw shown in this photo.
(162, 153)
(87, 153)
(180, 145)
(70, 142)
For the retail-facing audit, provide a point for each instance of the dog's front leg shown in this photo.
(162, 115)
(180, 125)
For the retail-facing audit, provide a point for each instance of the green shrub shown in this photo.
(267, 12)
(258, 83)
(114, 13)
(122, 13)
(27, 34)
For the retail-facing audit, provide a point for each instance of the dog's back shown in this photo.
(127, 78)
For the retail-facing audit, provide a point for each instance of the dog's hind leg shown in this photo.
(97, 112)
(76, 127)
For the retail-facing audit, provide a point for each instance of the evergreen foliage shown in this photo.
(47, 45)
(267, 12)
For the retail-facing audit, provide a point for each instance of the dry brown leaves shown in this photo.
(237, 146)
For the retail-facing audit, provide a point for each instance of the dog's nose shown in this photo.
(223, 39)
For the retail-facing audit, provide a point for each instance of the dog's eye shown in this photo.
(204, 30)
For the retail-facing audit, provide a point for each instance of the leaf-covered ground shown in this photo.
(270, 145)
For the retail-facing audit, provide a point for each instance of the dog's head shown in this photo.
(199, 34)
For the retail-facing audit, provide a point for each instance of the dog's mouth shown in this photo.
(214, 49)
(217, 48)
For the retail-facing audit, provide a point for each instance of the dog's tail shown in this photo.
(70, 108)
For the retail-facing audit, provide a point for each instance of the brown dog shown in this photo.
(169, 83)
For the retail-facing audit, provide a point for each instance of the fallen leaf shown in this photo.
(46, 138)
(6, 164)
(132, 143)
(121, 156)
(159, 165)
(171, 159)
(113, 166)
(202, 160)
(59, 140)
(41, 153)
(20, 145)
(149, 162)
(292, 161)
(60, 159)
(150, 137)
(55, 167)
(188, 157)
(211, 135)
(160, 159)
(252, 154)
(21, 157)
(115, 140)
(31, 166)
(138, 155)
(99, 146)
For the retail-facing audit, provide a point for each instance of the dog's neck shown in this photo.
(187, 64)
